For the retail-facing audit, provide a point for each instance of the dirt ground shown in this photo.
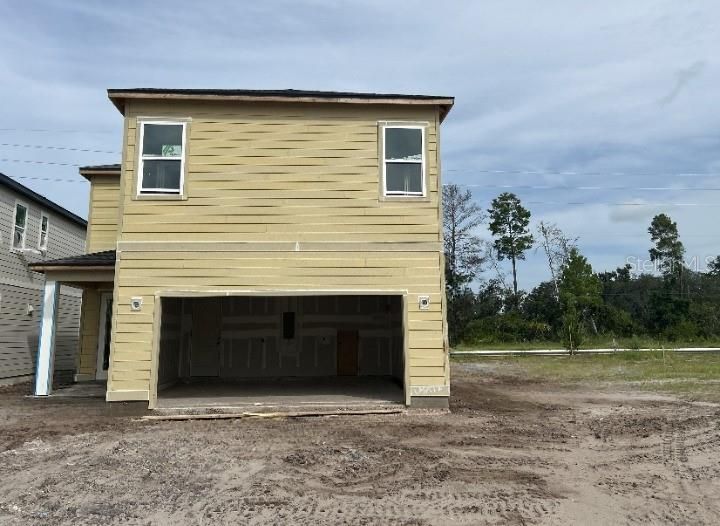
(510, 452)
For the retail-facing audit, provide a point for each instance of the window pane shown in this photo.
(403, 144)
(161, 174)
(43, 240)
(403, 177)
(44, 224)
(20, 216)
(162, 139)
(18, 237)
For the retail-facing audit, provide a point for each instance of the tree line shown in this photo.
(576, 305)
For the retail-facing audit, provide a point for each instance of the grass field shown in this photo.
(690, 375)
(599, 342)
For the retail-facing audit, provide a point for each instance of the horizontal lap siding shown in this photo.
(147, 273)
(104, 213)
(19, 331)
(286, 173)
(281, 172)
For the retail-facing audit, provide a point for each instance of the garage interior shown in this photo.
(281, 351)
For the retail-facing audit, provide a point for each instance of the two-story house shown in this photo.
(33, 229)
(263, 241)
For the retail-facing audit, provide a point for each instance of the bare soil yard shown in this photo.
(514, 450)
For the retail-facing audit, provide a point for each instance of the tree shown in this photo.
(556, 246)
(714, 266)
(463, 256)
(580, 293)
(463, 249)
(509, 225)
(668, 251)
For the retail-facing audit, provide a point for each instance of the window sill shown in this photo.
(159, 197)
(409, 198)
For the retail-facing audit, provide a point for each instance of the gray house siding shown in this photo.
(21, 290)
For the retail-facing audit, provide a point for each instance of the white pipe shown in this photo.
(565, 352)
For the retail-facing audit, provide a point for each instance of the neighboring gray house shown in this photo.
(34, 229)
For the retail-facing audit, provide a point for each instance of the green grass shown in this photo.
(600, 342)
(690, 375)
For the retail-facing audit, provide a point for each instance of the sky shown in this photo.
(598, 115)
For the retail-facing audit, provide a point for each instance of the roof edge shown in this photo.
(119, 96)
(102, 169)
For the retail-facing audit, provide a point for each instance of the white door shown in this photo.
(104, 332)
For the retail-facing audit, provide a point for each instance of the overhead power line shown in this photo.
(50, 179)
(28, 161)
(582, 174)
(65, 148)
(46, 130)
(565, 187)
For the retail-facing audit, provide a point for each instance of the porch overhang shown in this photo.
(87, 268)
(85, 271)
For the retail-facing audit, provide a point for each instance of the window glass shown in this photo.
(20, 223)
(44, 225)
(404, 144)
(161, 175)
(162, 140)
(403, 178)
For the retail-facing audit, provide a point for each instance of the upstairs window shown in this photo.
(162, 157)
(19, 226)
(44, 230)
(404, 161)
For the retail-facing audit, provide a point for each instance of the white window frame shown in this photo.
(42, 248)
(160, 191)
(14, 225)
(422, 161)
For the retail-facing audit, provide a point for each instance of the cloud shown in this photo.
(564, 93)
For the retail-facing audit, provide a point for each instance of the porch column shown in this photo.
(46, 346)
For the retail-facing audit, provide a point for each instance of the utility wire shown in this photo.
(581, 174)
(40, 146)
(28, 161)
(51, 179)
(45, 130)
(564, 187)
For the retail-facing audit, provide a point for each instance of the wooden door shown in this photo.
(347, 353)
(206, 338)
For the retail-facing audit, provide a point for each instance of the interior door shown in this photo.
(347, 353)
(206, 338)
(104, 335)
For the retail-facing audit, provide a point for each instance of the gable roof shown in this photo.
(41, 200)
(119, 96)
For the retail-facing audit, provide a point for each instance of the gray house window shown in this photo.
(44, 230)
(19, 226)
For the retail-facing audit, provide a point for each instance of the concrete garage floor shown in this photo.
(336, 392)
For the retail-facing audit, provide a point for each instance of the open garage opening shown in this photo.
(281, 351)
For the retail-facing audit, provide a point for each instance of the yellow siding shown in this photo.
(104, 213)
(89, 324)
(281, 172)
(285, 173)
(145, 274)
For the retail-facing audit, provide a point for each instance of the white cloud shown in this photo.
(599, 89)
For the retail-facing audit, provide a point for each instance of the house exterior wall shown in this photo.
(278, 197)
(103, 215)
(20, 288)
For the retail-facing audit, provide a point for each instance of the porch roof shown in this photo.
(104, 260)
